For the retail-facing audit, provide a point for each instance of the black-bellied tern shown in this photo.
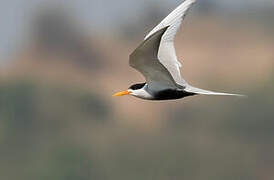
(156, 59)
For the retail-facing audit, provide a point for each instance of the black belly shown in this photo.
(171, 94)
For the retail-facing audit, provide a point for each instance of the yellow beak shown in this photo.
(122, 93)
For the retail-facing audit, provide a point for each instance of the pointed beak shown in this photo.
(122, 93)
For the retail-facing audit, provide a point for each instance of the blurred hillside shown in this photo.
(58, 120)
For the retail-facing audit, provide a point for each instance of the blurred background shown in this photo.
(60, 62)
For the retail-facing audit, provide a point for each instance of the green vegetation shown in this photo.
(60, 134)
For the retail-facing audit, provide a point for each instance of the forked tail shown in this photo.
(205, 92)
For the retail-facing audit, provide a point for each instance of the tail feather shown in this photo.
(205, 92)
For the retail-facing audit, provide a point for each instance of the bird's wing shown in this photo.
(145, 60)
(167, 55)
(195, 90)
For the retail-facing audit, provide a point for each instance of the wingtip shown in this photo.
(237, 95)
(242, 96)
(206, 92)
(190, 1)
(227, 94)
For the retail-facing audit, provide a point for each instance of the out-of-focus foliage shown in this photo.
(37, 126)
(54, 133)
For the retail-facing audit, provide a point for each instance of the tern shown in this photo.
(156, 60)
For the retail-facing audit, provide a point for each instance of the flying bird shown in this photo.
(156, 59)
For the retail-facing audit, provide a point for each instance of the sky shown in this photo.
(14, 14)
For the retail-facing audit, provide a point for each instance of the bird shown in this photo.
(155, 58)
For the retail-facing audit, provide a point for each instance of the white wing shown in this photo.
(167, 54)
(206, 92)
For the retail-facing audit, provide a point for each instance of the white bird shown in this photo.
(156, 59)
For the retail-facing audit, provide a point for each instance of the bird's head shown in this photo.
(137, 90)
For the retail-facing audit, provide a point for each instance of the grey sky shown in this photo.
(94, 13)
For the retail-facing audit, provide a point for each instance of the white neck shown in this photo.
(141, 93)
